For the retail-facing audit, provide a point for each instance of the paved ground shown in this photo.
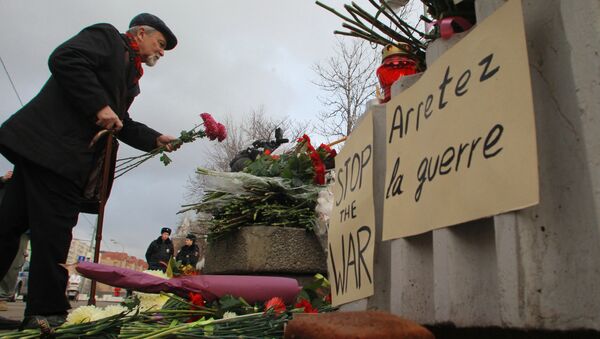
(15, 309)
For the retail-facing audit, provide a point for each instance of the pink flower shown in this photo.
(222, 132)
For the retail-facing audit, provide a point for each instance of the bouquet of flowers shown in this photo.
(212, 129)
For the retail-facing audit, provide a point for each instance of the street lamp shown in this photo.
(118, 243)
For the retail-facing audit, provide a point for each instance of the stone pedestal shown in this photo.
(266, 250)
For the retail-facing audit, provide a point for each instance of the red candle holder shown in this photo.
(396, 63)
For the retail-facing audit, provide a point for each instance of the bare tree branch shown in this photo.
(348, 80)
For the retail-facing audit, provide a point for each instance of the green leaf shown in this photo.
(165, 159)
(172, 268)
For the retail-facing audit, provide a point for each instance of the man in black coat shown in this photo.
(160, 251)
(94, 79)
(189, 253)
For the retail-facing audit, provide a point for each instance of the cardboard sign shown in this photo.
(461, 141)
(351, 237)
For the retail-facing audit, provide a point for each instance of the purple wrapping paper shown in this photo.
(251, 288)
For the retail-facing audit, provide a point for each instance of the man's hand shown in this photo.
(167, 141)
(6, 177)
(108, 119)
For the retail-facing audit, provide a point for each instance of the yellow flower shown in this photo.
(151, 301)
(82, 314)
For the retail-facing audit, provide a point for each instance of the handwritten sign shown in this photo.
(461, 141)
(351, 237)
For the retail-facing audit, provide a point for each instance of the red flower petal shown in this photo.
(276, 304)
(306, 305)
(197, 300)
(222, 132)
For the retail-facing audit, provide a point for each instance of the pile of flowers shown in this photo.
(274, 190)
(304, 165)
(193, 316)
(213, 130)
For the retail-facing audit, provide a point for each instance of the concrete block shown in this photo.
(412, 278)
(404, 83)
(465, 274)
(436, 48)
(381, 256)
(266, 250)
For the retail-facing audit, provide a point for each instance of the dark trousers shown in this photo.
(47, 204)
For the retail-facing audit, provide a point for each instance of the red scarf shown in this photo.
(137, 59)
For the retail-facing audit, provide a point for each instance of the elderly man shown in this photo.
(94, 79)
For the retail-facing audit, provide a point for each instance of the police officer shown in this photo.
(189, 253)
(160, 251)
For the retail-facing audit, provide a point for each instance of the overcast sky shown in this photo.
(232, 57)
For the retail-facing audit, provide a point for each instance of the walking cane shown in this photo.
(103, 194)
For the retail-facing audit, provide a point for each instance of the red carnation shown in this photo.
(306, 305)
(211, 127)
(318, 166)
(330, 152)
(304, 138)
(197, 300)
(206, 117)
(222, 132)
(276, 304)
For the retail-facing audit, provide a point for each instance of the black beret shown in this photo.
(165, 229)
(190, 236)
(147, 19)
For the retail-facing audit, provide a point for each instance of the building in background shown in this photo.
(79, 249)
(118, 259)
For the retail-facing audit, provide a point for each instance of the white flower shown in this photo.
(229, 315)
(82, 314)
(86, 314)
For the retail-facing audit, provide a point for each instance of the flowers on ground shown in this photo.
(227, 317)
